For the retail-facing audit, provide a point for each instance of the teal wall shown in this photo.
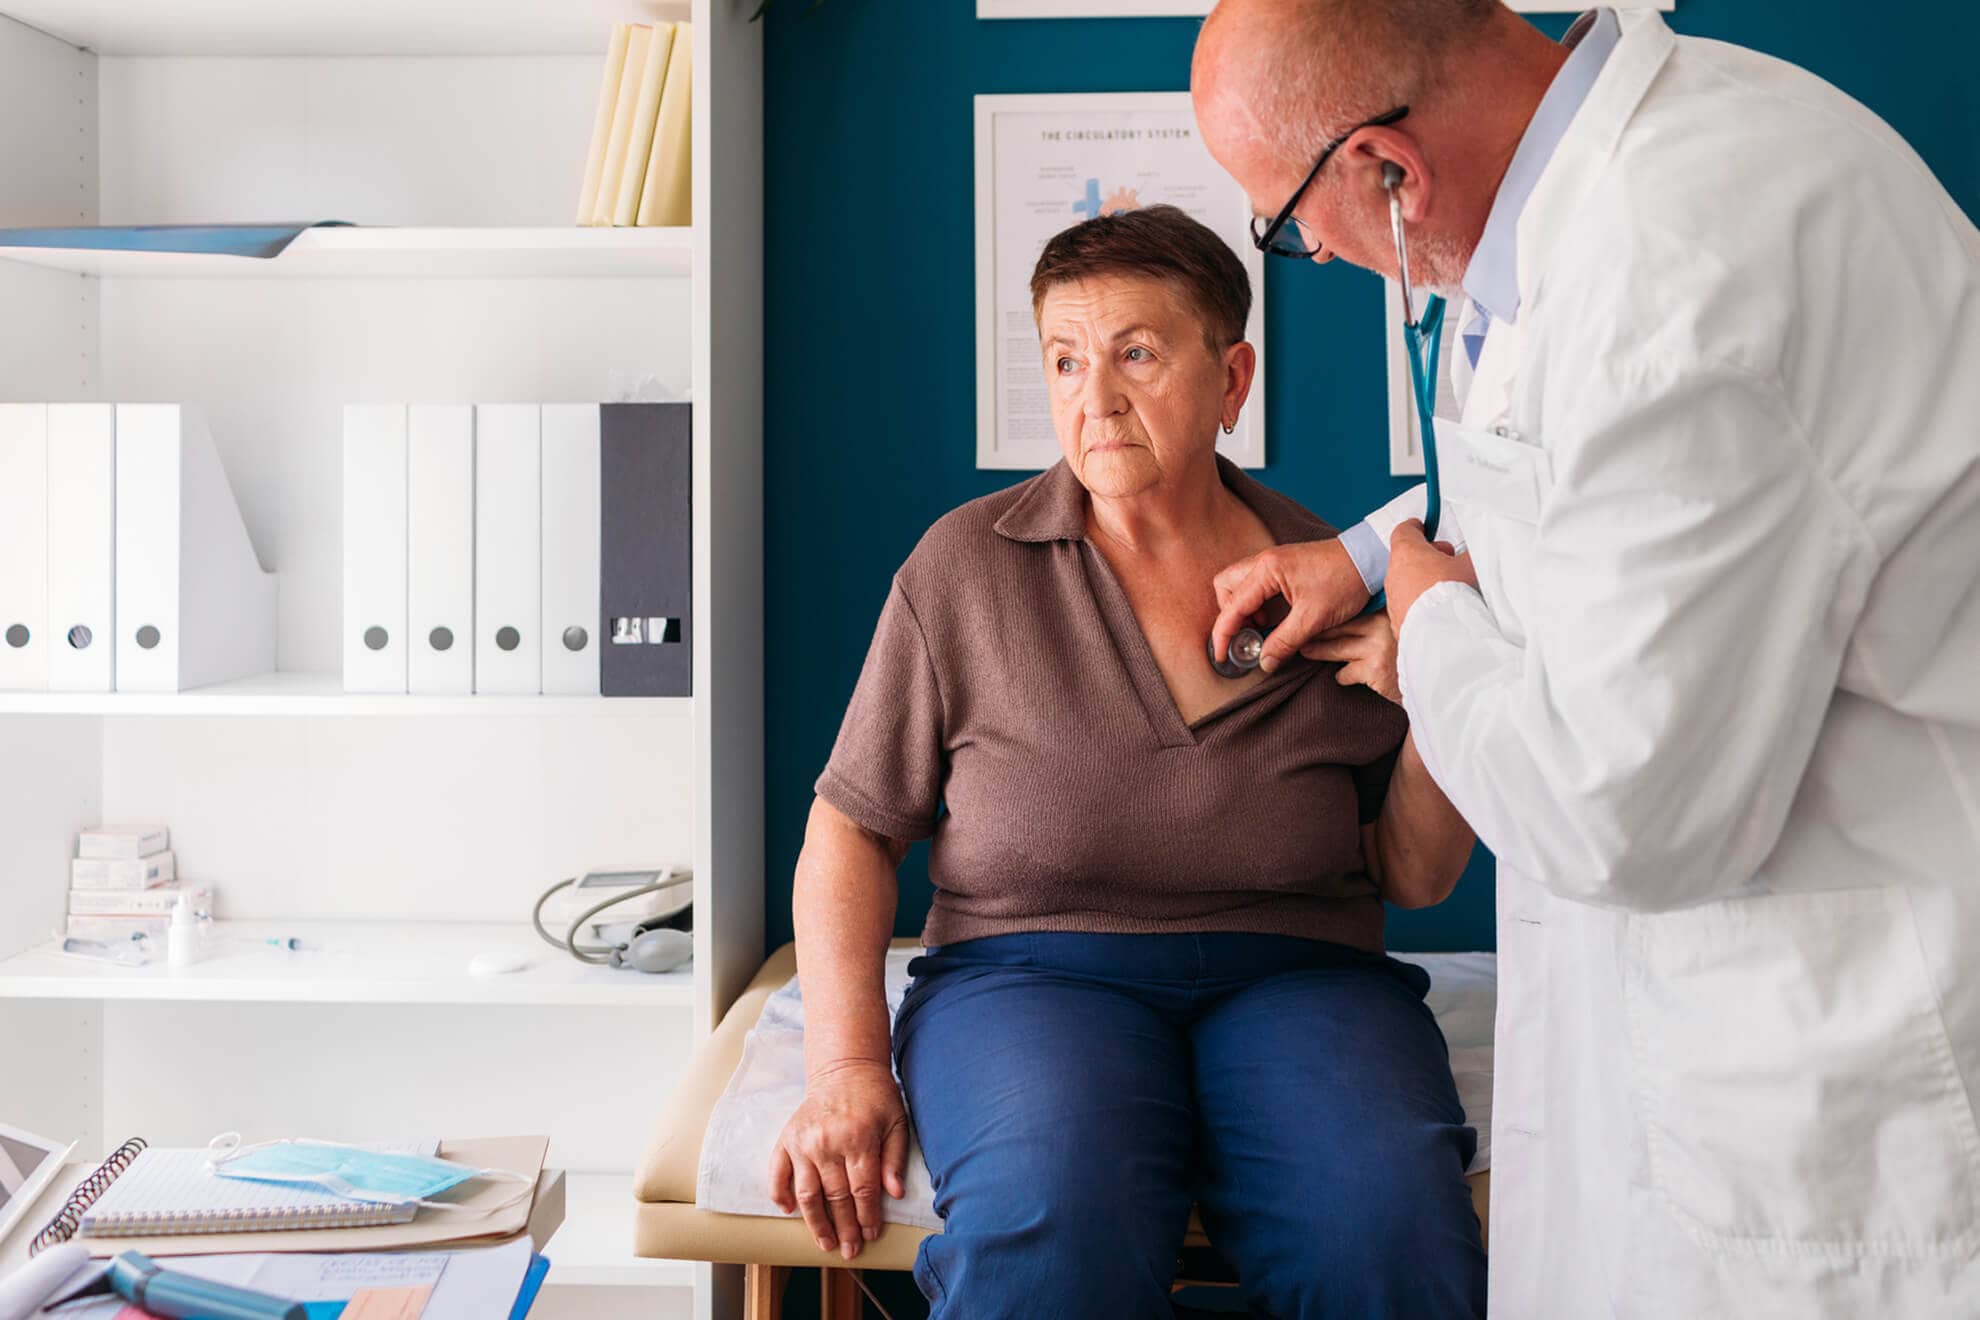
(870, 338)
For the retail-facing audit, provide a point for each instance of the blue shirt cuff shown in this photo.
(1369, 552)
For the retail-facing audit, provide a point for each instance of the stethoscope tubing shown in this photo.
(1423, 338)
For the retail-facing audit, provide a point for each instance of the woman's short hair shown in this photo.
(1160, 242)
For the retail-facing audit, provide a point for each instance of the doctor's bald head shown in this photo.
(1277, 82)
(1305, 71)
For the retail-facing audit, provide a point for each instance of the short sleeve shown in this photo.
(1371, 783)
(887, 767)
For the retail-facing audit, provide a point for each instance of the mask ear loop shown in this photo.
(226, 1148)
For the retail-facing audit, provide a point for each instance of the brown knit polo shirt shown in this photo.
(1010, 682)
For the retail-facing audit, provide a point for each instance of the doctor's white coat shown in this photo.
(1716, 708)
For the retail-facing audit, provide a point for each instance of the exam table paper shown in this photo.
(768, 1086)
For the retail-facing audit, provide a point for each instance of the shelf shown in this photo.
(322, 694)
(594, 1247)
(340, 27)
(388, 252)
(397, 962)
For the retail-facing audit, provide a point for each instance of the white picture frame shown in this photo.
(28, 1163)
(1175, 165)
(1199, 8)
(1405, 441)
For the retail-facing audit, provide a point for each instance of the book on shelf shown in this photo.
(622, 125)
(601, 123)
(646, 108)
(636, 170)
(668, 186)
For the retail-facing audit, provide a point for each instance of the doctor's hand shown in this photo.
(1366, 648)
(847, 1141)
(1415, 566)
(1321, 586)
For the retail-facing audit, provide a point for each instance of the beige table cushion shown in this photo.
(667, 1224)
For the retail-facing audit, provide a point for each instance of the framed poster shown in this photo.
(1198, 8)
(1044, 163)
(1405, 443)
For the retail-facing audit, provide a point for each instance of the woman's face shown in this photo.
(1137, 392)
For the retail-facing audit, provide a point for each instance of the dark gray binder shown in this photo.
(646, 540)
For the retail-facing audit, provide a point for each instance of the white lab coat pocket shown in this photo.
(1795, 1079)
(1493, 470)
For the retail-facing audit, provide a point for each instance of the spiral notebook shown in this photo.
(171, 1191)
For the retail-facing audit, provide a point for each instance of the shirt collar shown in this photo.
(1052, 507)
(1492, 279)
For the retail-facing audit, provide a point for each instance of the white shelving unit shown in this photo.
(434, 252)
(397, 836)
(293, 693)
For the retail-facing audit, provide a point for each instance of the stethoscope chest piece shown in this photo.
(1246, 650)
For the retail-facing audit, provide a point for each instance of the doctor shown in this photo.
(1708, 679)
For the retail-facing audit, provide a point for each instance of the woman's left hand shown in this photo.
(1366, 648)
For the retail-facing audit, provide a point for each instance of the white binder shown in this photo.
(507, 547)
(569, 630)
(194, 606)
(82, 504)
(375, 548)
(440, 548)
(23, 547)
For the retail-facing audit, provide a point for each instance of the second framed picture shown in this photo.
(1044, 163)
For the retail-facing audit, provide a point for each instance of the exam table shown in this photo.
(668, 1224)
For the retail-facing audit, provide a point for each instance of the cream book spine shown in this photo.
(607, 203)
(640, 146)
(601, 121)
(666, 196)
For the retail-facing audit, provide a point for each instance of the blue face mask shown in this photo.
(353, 1172)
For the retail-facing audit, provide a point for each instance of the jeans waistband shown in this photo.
(1208, 955)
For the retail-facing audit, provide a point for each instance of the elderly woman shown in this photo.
(1154, 971)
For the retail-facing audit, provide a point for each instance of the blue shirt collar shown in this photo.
(1492, 279)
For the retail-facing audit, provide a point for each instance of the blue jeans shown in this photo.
(1074, 1094)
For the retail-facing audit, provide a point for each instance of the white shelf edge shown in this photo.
(394, 252)
(253, 28)
(288, 693)
(594, 1246)
(379, 962)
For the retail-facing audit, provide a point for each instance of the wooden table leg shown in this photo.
(763, 1291)
(839, 1297)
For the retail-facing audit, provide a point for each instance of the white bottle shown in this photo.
(182, 936)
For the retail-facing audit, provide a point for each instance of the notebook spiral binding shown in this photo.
(69, 1219)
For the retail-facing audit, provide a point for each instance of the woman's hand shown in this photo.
(1367, 649)
(847, 1141)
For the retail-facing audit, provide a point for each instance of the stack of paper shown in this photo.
(637, 171)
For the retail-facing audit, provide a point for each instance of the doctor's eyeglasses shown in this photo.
(1274, 235)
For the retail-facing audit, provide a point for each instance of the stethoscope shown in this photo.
(1424, 338)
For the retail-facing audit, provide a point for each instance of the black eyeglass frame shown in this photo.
(1265, 241)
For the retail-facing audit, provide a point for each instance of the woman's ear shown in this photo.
(1240, 368)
